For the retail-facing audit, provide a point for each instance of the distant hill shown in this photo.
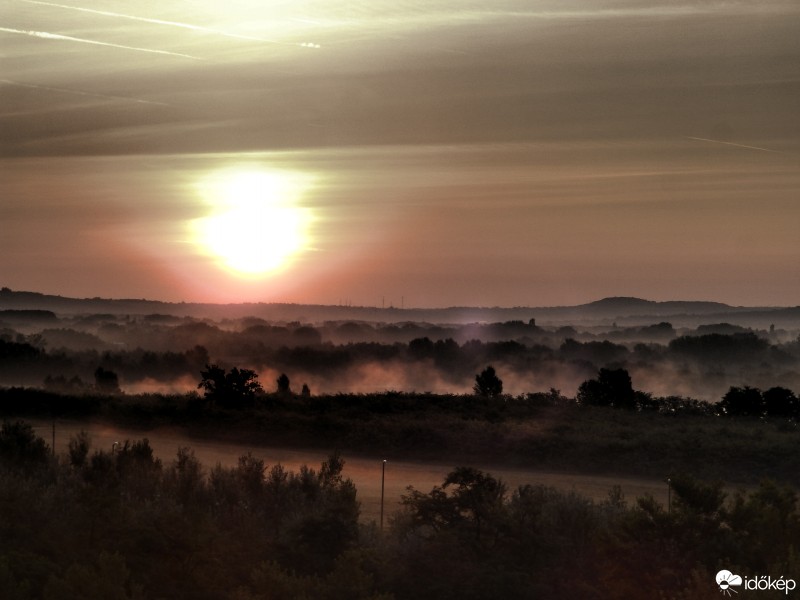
(620, 310)
(28, 316)
(636, 306)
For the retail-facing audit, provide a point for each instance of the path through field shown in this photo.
(365, 472)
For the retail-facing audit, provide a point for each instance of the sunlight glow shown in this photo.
(256, 226)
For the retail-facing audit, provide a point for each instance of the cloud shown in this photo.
(731, 144)
(68, 38)
(177, 24)
(480, 76)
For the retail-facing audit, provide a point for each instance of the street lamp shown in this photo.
(669, 495)
(383, 480)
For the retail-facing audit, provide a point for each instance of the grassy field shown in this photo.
(561, 436)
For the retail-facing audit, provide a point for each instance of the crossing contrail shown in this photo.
(189, 26)
(81, 92)
(68, 38)
(733, 144)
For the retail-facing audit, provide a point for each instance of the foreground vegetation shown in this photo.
(637, 435)
(123, 525)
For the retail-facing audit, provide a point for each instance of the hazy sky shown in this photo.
(424, 153)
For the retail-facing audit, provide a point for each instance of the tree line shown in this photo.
(707, 364)
(614, 388)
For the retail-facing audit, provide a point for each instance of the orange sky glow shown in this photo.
(422, 154)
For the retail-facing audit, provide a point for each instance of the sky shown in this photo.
(414, 153)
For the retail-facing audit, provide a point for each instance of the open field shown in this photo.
(364, 471)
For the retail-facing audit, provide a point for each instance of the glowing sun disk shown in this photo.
(256, 226)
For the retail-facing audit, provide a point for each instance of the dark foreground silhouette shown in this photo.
(121, 524)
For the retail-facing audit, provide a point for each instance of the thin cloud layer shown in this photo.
(507, 73)
(509, 153)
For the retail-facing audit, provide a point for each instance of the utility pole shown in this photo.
(383, 480)
(669, 495)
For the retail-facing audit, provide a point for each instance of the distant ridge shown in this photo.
(621, 305)
(621, 310)
(621, 301)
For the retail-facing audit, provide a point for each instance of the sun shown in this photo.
(256, 225)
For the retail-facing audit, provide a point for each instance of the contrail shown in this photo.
(170, 24)
(733, 144)
(67, 38)
(80, 92)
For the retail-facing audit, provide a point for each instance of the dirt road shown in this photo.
(365, 472)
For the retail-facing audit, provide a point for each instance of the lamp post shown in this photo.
(383, 480)
(669, 495)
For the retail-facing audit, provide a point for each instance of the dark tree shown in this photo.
(487, 383)
(780, 402)
(234, 389)
(106, 381)
(243, 384)
(470, 505)
(477, 497)
(743, 401)
(79, 446)
(20, 446)
(421, 348)
(283, 384)
(212, 382)
(612, 387)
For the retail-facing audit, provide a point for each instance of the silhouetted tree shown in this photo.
(742, 401)
(283, 384)
(212, 382)
(234, 389)
(487, 383)
(187, 479)
(138, 469)
(477, 497)
(421, 348)
(78, 447)
(612, 387)
(106, 381)
(781, 402)
(20, 446)
(472, 507)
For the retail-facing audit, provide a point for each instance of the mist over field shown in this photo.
(701, 355)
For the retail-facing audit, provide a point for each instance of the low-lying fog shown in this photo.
(159, 353)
